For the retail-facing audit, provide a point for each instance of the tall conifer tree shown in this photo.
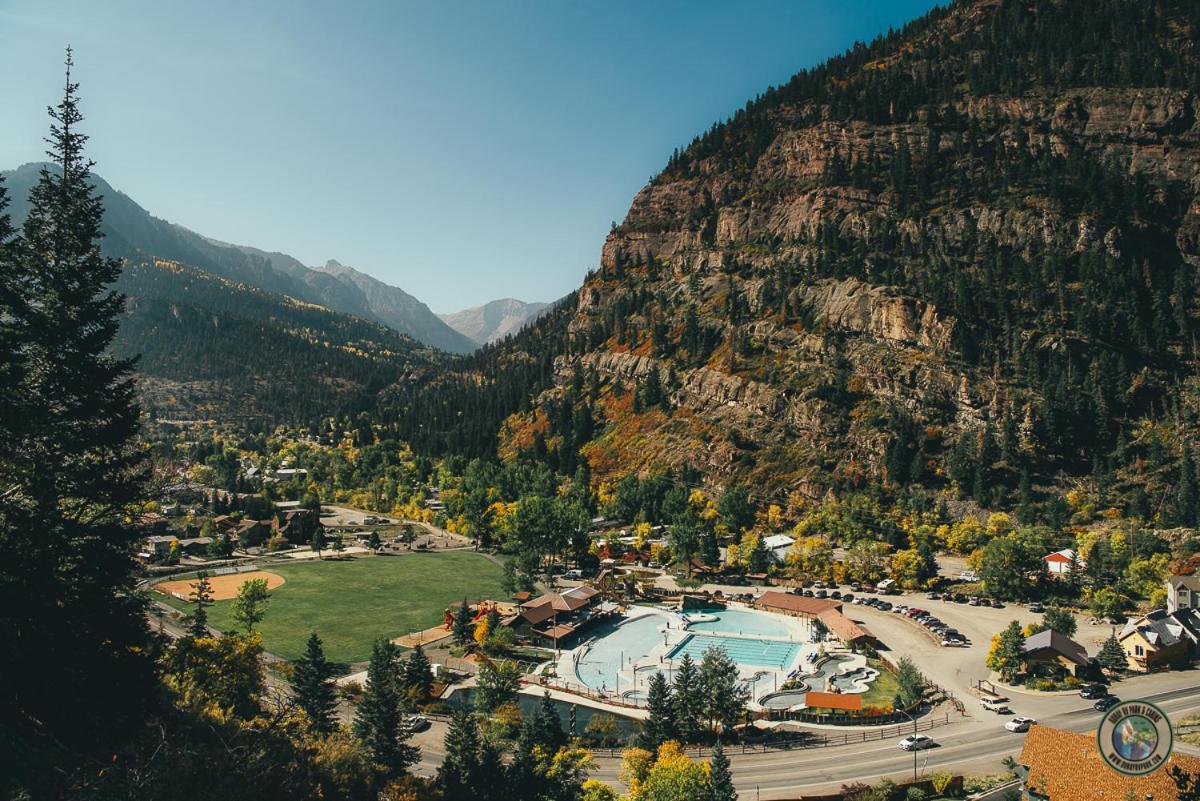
(312, 686)
(74, 626)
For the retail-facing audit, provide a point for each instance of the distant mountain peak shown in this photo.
(494, 320)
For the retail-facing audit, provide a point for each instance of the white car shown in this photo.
(916, 742)
(1019, 724)
(994, 704)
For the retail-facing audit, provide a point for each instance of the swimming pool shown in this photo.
(622, 656)
(740, 621)
(631, 640)
(777, 654)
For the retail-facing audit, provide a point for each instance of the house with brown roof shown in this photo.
(796, 605)
(1049, 652)
(1064, 766)
(849, 632)
(558, 615)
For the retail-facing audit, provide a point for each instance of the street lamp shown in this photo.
(914, 749)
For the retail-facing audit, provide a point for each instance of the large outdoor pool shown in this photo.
(775, 654)
(621, 657)
(739, 621)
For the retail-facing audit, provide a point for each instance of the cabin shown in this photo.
(1050, 653)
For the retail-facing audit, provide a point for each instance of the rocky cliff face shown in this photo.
(889, 255)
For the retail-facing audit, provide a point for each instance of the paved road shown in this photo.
(975, 744)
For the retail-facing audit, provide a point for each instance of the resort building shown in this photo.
(1065, 766)
(1051, 653)
(558, 615)
(850, 633)
(786, 603)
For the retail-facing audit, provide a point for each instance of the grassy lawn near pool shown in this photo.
(883, 690)
(353, 602)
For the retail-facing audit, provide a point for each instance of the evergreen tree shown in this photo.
(720, 775)
(1112, 655)
(312, 686)
(75, 663)
(462, 629)
(418, 675)
(200, 598)
(458, 775)
(688, 700)
(548, 731)
(659, 726)
(724, 695)
(377, 721)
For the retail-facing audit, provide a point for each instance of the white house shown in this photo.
(778, 545)
(1062, 563)
(1183, 592)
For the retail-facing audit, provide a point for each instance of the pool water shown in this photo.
(632, 639)
(741, 621)
(742, 650)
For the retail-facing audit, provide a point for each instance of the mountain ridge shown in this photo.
(494, 320)
(132, 232)
(959, 258)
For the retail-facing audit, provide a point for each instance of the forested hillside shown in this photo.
(213, 348)
(960, 257)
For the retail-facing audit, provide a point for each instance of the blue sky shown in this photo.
(461, 151)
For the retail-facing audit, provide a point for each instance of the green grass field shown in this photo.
(351, 603)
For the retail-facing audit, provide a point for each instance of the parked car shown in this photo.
(885, 606)
(1106, 703)
(968, 575)
(855, 586)
(819, 585)
(954, 642)
(933, 596)
(808, 593)
(916, 742)
(959, 598)
(836, 595)
(972, 601)
(1093, 691)
(997, 603)
(1019, 724)
(1036, 606)
(416, 723)
(852, 599)
(573, 575)
(820, 593)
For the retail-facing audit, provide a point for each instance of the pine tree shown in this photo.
(547, 725)
(720, 775)
(312, 686)
(724, 695)
(1112, 656)
(200, 598)
(458, 775)
(659, 726)
(377, 720)
(418, 675)
(688, 700)
(462, 628)
(75, 662)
